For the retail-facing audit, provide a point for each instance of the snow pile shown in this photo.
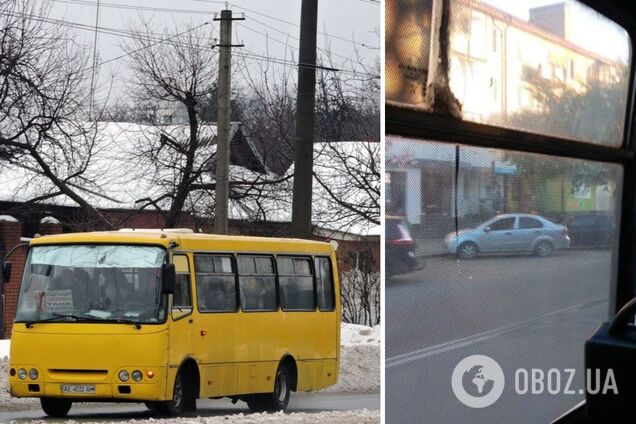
(353, 335)
(359, 360)
(5, 345)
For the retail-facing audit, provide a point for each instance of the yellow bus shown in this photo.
(168, 316)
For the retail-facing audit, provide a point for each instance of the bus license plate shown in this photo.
(68, 388)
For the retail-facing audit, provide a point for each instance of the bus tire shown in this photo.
(55, 407)
(174, 406)
(278, 399)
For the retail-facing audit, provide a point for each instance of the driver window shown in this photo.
(182, 298)
(502, 224)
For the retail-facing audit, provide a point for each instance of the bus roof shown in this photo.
(189, 241)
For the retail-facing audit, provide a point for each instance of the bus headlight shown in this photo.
(33, 374)
(124, 376)
(22, 374)
(137, 375)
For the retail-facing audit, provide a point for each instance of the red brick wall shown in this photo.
(369, 246)
(10, 233)
(50, 229)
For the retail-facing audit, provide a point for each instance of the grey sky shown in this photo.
(344, 20)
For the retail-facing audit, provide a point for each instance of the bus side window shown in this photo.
(216, 283)
(182, 297)
(257, 283)
(296, 284)
(324, 284)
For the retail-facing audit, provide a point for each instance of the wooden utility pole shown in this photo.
(305, 105)
(222, 168)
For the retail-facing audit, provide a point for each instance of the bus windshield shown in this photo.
(110, 283)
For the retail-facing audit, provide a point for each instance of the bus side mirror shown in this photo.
(169, 277)
(6, 272)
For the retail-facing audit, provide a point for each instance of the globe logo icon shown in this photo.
(478, 381)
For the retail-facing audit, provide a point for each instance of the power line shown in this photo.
(130, 7)
(158, 39)
(203, 12)
(267, 36)
(289, 23)
(153, 44)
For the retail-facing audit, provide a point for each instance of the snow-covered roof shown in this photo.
(123, 174)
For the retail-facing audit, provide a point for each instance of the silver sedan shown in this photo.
(509, 233)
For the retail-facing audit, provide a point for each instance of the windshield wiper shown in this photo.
(57, 317)
(122, 321)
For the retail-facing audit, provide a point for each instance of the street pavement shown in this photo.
(523, 311)
(125, 412)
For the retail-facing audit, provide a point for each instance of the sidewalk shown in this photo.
(430, 248)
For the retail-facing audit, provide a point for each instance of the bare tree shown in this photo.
(346, 175)
(43, 94)
(360, 297)
(176, 70)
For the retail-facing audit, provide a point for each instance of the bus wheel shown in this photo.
(278, 399)
(175, 406)
(55, 407)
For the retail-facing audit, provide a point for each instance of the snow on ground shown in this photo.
(4, 348)
(359, 373)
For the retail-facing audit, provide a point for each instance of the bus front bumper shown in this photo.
(148, 390)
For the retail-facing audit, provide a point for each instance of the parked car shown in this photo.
(509, 233)
(399, 247)
(593, 230)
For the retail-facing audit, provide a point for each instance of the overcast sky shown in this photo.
(352, 25)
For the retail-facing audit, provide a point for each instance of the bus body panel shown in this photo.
(81, 354)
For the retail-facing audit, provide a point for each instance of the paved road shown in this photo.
(523, 311)
(208, 407)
